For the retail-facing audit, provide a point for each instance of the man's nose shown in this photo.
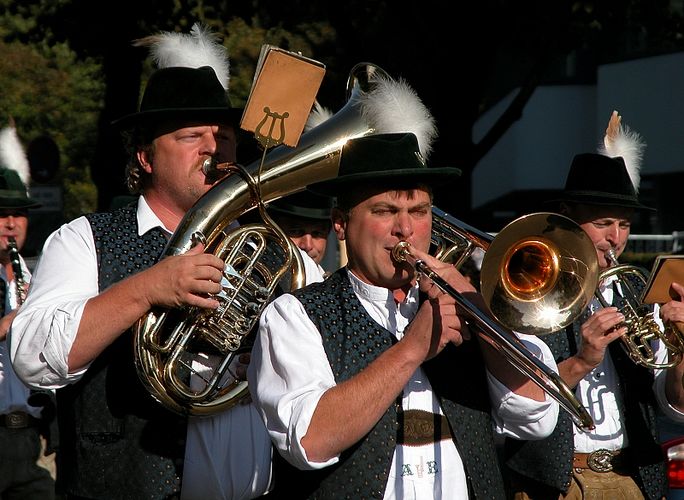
(403, 226)
(613, 234)
(305, 242)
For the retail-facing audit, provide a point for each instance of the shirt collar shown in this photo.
(374, 293)
(147, 219)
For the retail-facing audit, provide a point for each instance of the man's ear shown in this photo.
(339, 222)
(143, 159)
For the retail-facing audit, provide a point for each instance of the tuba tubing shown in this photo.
(159, 343)
(505, 343)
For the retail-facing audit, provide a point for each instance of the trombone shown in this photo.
(537, 276)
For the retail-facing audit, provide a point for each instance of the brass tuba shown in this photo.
(537, 276)
(184, 357)
(642, 327)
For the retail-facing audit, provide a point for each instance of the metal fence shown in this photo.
(656, 243)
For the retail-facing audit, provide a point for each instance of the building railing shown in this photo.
(656, 243)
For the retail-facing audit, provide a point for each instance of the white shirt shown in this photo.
(43, 332)
(13, 393)
(65, 278)
(289, 373)
(599, 393)
(218, 447)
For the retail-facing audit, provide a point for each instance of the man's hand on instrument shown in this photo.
(602, 328)
(185, 279)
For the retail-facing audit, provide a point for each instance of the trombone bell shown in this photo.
(539, 284)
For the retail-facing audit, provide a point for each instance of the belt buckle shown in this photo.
(600, 460)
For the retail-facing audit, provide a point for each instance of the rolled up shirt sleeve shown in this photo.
(45, 327)
(288, 373)
(520, 417)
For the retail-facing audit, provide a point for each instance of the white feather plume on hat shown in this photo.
(318, 115)
(392, 106)
(620, 140)
(199, 48)
(12, 154)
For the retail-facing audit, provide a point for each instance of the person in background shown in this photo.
(621, 457)
(369, 382)
(23, 426)
(100, 273)
(305, 218)
(215, 449)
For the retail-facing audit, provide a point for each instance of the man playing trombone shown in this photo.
(621, 457)
(369, 382)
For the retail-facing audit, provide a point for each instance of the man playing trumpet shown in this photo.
(621, 457)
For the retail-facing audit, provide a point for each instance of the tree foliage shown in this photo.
(69, 66)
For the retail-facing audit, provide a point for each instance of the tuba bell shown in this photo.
(184, 357)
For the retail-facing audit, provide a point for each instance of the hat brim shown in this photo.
(219, 115)
(302, 212)
(430, 176)
(18, 203)
(601, 199)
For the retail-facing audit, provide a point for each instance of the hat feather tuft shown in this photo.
(199, 48)
(620, 140)
(318, 115)
(12, 154)
(393, 107)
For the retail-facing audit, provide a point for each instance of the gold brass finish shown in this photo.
(554, 264)
(534, 268)
(642, 328)
(186, 357)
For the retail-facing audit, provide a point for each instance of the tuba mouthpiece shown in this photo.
(209, 165)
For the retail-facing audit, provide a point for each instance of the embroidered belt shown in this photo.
(17, 420)
(419, 427)
(601, 460)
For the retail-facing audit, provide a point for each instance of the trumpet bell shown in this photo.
(539, 284)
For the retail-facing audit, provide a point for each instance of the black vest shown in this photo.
(352, 340)
(549, 461)
(116, 441)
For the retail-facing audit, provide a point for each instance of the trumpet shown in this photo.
(537, 273)
(642, 327)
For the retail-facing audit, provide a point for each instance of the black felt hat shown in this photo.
(304, 204)
(596, 179)
(383, 158)
(13, 191)
(183, 93)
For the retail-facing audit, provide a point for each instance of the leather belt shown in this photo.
(419, 427)
(17, 420)
(601, 460)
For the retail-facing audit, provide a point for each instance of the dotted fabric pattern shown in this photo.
(117, 442)
(352, 340)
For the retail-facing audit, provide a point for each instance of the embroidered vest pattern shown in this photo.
(352, 340)
(124, 444)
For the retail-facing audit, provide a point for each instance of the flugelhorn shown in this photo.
(642, 328)
(538, 274)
